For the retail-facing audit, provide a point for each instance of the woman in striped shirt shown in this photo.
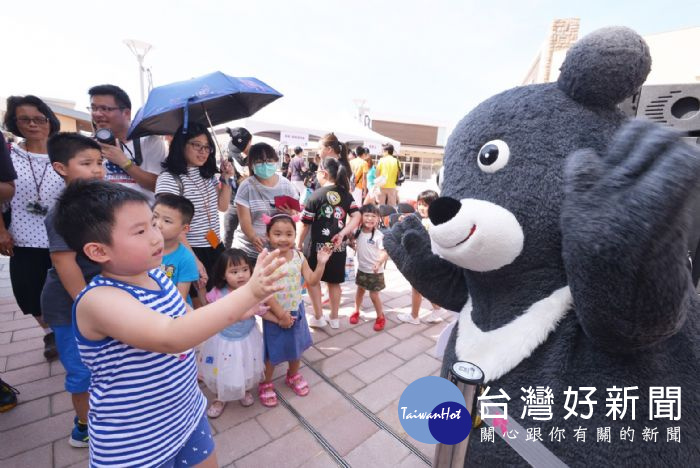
(190, 171)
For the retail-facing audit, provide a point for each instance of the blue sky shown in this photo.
(431, 60)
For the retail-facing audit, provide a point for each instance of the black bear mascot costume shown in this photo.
(560, 238)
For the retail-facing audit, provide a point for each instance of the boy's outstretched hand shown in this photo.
(263, 282)
(324, 254)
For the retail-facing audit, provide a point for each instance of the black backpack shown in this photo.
(400, 177)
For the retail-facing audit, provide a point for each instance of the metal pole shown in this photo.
(139, 49)
(140, 59)
(468, 378)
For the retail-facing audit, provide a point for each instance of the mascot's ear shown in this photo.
(605, 67)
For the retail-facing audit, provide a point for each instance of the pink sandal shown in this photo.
(216, 408)
(247, 400)
(297, 383)
(267, 395)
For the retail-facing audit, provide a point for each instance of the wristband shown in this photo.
(127, 164)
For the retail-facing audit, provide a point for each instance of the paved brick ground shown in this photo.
(374, 368)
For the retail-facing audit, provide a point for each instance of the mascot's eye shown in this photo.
(493, 156)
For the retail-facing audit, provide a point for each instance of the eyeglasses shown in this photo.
(34, 120)
(266, 160)
(199, 147)
(104, 109)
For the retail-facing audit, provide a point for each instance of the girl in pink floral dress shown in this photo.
(285, 330)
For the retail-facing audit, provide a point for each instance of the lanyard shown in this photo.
(126, 148)
(206, 197)
(37, 184)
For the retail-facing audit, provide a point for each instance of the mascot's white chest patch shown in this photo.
(498, 351)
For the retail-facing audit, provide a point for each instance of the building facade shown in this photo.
(673, 54)
(422, 145)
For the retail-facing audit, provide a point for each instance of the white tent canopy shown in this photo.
(347, 130)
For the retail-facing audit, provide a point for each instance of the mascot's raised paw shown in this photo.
(394, 240)
(439, 281)
(644, 184)
(626, 214)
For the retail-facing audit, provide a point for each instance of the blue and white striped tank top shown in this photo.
(143, 405)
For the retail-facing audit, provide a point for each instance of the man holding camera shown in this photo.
(133, 163)
(241, 141)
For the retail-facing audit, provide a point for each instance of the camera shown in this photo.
(105, 136)
(36, 208)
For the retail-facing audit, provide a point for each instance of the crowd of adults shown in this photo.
(245, 186)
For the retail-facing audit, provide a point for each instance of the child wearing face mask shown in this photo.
(256, 198)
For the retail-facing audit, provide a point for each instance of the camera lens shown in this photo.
(105, 135)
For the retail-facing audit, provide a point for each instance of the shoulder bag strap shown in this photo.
(138, 158)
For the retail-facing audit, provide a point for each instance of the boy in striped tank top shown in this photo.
(134, 334)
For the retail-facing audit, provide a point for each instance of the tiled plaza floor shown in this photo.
(350, 417)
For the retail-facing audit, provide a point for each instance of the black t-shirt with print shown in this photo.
(327, 210)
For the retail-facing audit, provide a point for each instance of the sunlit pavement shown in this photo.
(350, 416)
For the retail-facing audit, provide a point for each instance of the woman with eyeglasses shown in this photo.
(256, 197)
(36, 189)
(190, 172)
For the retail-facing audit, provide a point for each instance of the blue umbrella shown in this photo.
(210, 100)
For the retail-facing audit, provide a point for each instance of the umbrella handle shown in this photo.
(186, 123)
(216, 141)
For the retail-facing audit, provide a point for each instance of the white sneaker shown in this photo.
(317, 323)
(432, 317)
(335, 323)
(408, 318)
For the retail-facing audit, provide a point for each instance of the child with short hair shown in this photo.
(425, 198)
(173, 215)
(285, 330)
(368, 242)
(135, 336)
(231, 362)
(74, 157)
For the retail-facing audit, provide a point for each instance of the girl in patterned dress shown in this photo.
(231, 362)
(285, 331)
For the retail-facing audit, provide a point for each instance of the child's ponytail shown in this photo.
(336, 172)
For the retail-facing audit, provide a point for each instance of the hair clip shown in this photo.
(267, 219)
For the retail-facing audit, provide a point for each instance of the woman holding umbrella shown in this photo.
(190, 171)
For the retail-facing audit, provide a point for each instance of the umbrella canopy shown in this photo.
(210, 100)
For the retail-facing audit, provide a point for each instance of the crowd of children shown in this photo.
(121, 275)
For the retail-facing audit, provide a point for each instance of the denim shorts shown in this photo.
(198, 447)
(77, 375)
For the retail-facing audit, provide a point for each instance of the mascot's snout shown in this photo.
(474, 234)
(443, 209)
